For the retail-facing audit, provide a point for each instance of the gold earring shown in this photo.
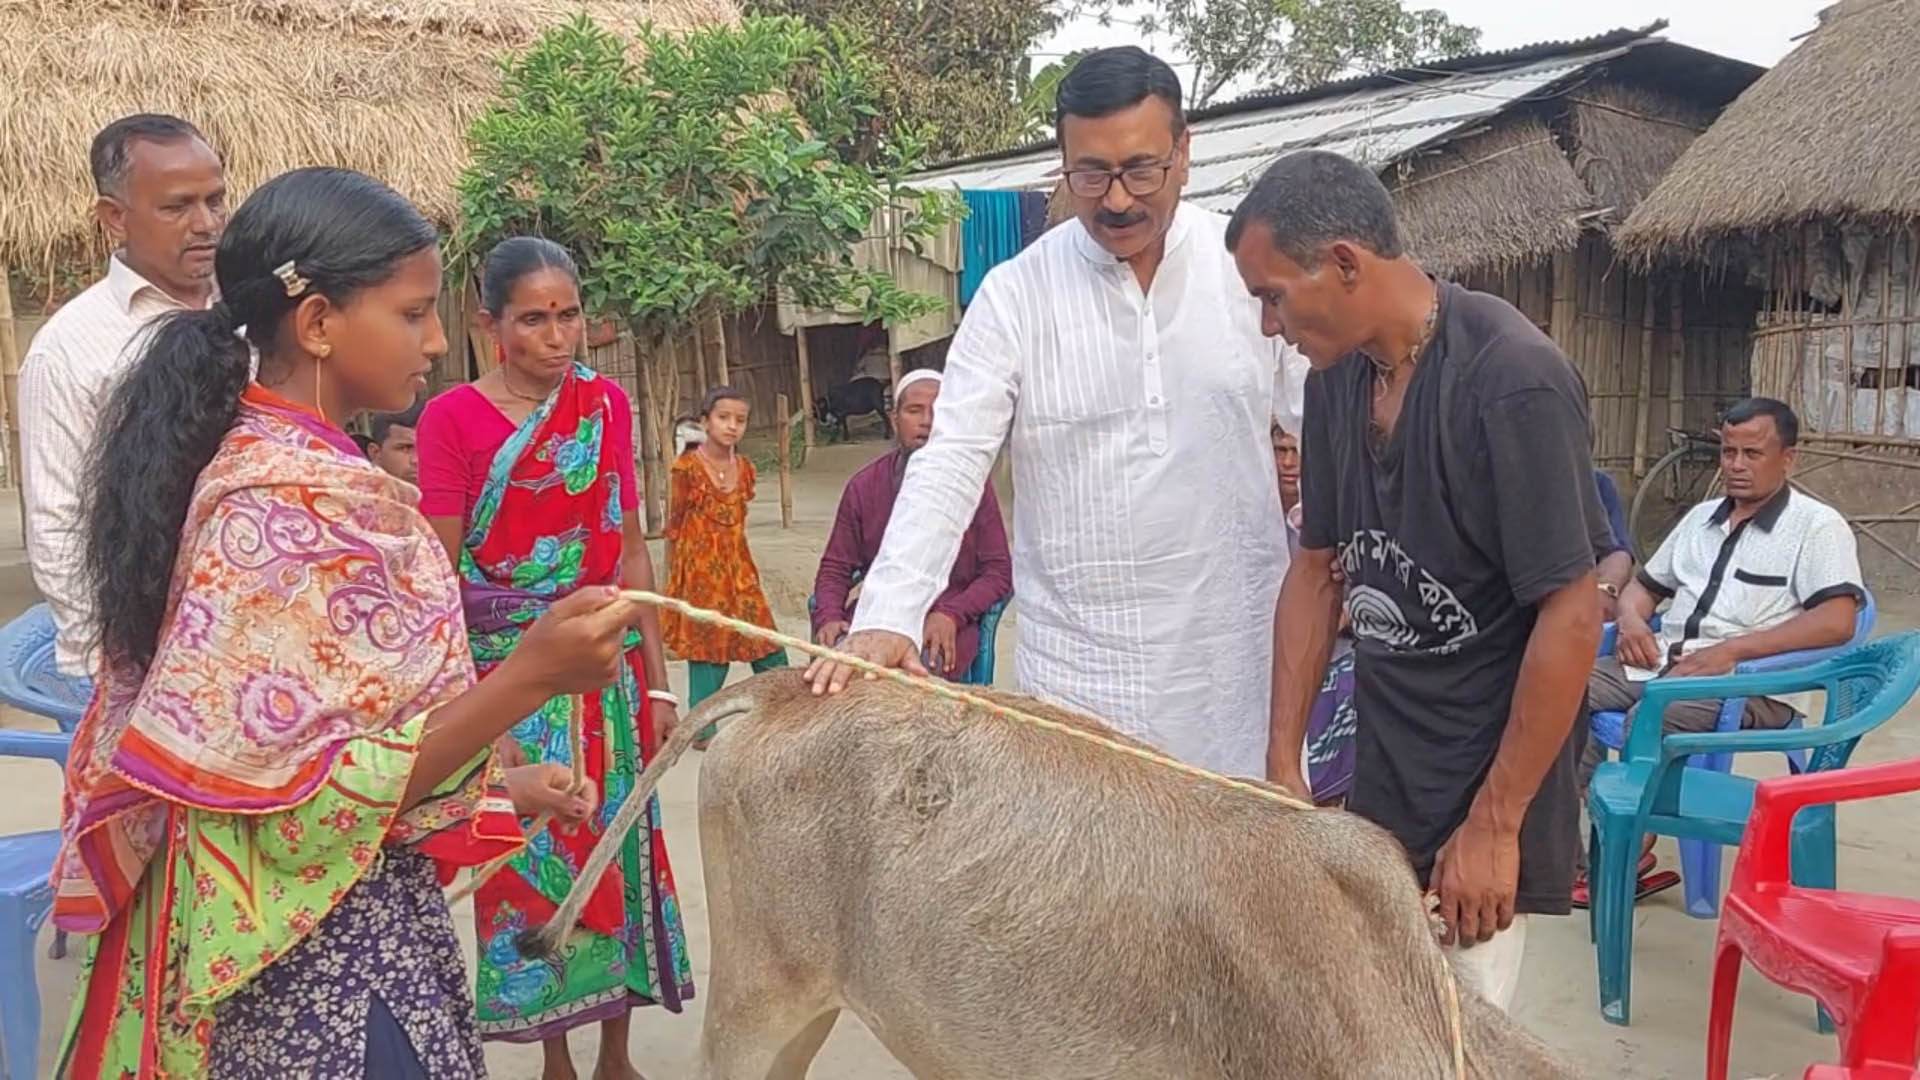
(318, 404)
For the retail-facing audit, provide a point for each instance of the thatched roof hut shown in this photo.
(389, 87)
(1498, 159)
(1829, 135)
(1805, 188)
(1511, 171)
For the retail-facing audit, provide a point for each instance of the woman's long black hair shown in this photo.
(341, 231)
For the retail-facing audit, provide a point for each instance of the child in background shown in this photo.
(710, 565)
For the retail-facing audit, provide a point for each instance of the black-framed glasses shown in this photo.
(1139, 180)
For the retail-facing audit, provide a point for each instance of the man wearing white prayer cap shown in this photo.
(1121, 359)
(982, 571)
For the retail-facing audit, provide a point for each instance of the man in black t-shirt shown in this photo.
(1447, 475)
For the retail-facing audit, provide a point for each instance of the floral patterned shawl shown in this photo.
(218, 807)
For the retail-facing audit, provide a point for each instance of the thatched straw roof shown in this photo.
(1625, 138)
(1490, 200)
(386, 86)
(1831, 133)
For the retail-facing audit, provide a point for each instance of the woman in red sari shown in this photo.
(527, 476)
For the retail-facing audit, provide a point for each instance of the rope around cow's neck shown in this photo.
(950, 692)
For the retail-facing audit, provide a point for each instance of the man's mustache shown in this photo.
(1119, 221)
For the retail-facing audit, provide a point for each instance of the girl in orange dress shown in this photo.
(711, 566)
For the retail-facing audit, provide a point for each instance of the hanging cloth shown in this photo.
(989, 236)
(1033, 216)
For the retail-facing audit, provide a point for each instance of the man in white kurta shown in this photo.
(1148, 538)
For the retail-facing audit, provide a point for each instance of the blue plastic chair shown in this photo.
(1700, 860)
(981, 672)
(26, 896)
(29, 680)
(1654, 789)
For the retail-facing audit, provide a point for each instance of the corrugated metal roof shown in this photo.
(1377, 121)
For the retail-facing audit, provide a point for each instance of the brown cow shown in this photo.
(995, 900)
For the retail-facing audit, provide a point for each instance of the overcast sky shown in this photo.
(1760, 31)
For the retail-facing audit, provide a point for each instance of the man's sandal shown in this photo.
(1648, 883)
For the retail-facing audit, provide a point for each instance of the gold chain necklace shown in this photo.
(1386, 371)
(511, 389)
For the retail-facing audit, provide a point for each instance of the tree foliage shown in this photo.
(955, 69)
(1294, 44)
(697, 174)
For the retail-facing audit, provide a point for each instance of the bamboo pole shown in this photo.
(806, 386)
(1643, 393)
(786, 462)
(9, 381)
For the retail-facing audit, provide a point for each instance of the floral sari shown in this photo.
(222, 805)
(548, 521)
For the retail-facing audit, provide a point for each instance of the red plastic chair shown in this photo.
(1841, 1072)
(1857, 954)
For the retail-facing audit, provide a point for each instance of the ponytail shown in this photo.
(161, 426)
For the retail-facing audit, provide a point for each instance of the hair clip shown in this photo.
(294, 283)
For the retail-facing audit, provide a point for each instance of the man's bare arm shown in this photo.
(1546, 698)
(1305, 622)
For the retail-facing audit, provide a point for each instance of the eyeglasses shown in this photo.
(1139, 180)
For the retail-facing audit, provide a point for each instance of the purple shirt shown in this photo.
(982, 572)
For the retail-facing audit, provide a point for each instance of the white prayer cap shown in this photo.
(914, 376)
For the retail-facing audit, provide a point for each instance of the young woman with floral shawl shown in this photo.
(288, 754)
(527, 475)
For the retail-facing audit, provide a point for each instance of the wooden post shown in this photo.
(703, 379)
(1566, 302)
(1677, 364)
(485, 356)
(653, 495)
(786, 462)
(720, 350)
(1643, 392)
(893, 366)
(806, 386)
(9, 381)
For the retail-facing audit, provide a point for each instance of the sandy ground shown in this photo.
(1774, 1033)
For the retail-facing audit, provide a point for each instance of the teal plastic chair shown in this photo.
(1652, 789)
(26, 896)
(981, 672)
(1700, 860)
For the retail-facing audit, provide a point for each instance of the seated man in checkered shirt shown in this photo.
(1764, 570)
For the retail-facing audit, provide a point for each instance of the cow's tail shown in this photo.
(545, 941)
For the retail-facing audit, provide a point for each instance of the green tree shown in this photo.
(695, 176)
(1038, 93)
(1294, 44)
(953, 69)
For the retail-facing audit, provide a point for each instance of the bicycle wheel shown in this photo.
(1676, 484)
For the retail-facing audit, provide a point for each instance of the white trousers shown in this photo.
(1493, 967)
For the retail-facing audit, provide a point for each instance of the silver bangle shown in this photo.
(663, 697)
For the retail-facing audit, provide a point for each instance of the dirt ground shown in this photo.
(1774, 1035)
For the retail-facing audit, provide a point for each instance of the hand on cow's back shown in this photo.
(882, 647)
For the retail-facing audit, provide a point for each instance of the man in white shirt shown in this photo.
(1123, 363)
(1763, 571)
(163, 202)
